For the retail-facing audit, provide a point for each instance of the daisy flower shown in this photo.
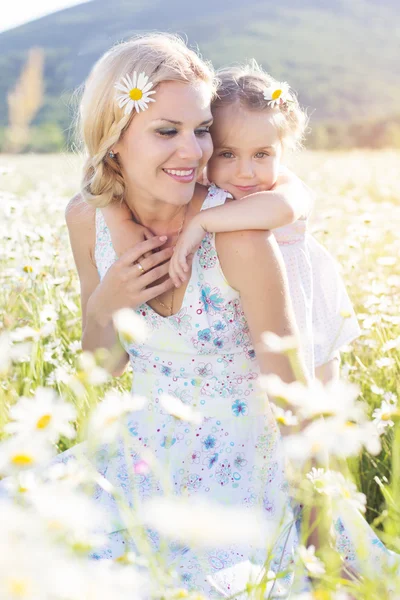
(382, 416)
(313, 564)
(135, 92)
(277, 94)
(20, 453)
(105, 420)
(45, 414)
(130, 326)
(175, 407)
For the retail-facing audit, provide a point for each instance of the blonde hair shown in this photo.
(162, 57)
(246, 84)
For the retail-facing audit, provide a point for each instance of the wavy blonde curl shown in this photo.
(162, 57)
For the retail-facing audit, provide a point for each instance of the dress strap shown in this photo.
(215, 197)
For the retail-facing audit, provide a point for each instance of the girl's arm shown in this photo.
(124, 232)
(253, 265)
(287, 201)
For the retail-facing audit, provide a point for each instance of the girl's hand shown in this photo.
(132, 280)
(185, 248)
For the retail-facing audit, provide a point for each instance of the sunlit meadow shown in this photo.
(356, 216)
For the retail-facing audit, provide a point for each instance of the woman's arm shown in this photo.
(96, 333)
(289, 200)
(123, 285)
(253, 265)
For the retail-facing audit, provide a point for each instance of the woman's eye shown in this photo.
(261, 154)
(167, 132)
(226, 154)
(202, 131)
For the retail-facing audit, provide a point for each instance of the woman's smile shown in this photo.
(181, 175)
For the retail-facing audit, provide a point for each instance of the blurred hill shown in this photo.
(341, 56)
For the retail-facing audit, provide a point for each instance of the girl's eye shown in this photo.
(202, 131)
(261, 154)
(226, 154)
(167, 132)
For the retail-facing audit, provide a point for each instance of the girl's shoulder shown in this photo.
(215, 196)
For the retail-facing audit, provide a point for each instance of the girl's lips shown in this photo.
(245, 188)
(181, 175)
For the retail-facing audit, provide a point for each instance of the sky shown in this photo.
(17, 12)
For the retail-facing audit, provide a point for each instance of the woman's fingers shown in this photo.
(155, 259)
(156, 290)
(135, 253)
(154, 274)
(148, 235)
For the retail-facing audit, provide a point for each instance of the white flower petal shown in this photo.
(147, 87)
(122, 88)
(129, 107)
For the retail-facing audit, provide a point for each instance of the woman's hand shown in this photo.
(185, 248)
(132, 280)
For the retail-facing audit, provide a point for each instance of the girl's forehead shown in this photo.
(238, 127)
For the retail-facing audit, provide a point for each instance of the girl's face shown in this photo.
(167, 146)
(247, 151)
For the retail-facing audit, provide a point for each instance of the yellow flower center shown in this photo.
(18, 588)
(43, 422)
(28, 269)
(135, 94)
(21, 460)
(276, 94)
(386, 417)
(321, 595)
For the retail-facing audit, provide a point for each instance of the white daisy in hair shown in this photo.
(135, 92)
(277, 94)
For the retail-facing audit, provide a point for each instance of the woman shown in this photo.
(204, 344)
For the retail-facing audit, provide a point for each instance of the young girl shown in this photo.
(256, 122)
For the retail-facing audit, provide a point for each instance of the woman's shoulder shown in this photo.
(80, 219)
(78, 213)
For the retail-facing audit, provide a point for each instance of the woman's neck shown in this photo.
(160, 217)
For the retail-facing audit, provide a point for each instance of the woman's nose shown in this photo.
(190, 148)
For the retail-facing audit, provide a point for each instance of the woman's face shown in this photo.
(166, 147)
(247, 151)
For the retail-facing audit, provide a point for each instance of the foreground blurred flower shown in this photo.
(311, 562)
(95, 375)
(69, 514)
(284, 417)
(276, 344)
(335, 399)
(205, 524)
(45, 413)
(333, 437)
(175, 407)
(105, 420)
(130, 326)
(245, 576)
(19, 453)
(32, 567)
(335, 485)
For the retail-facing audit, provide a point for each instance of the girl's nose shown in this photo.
(245, 169)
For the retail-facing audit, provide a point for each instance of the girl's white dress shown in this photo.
(323, 310)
